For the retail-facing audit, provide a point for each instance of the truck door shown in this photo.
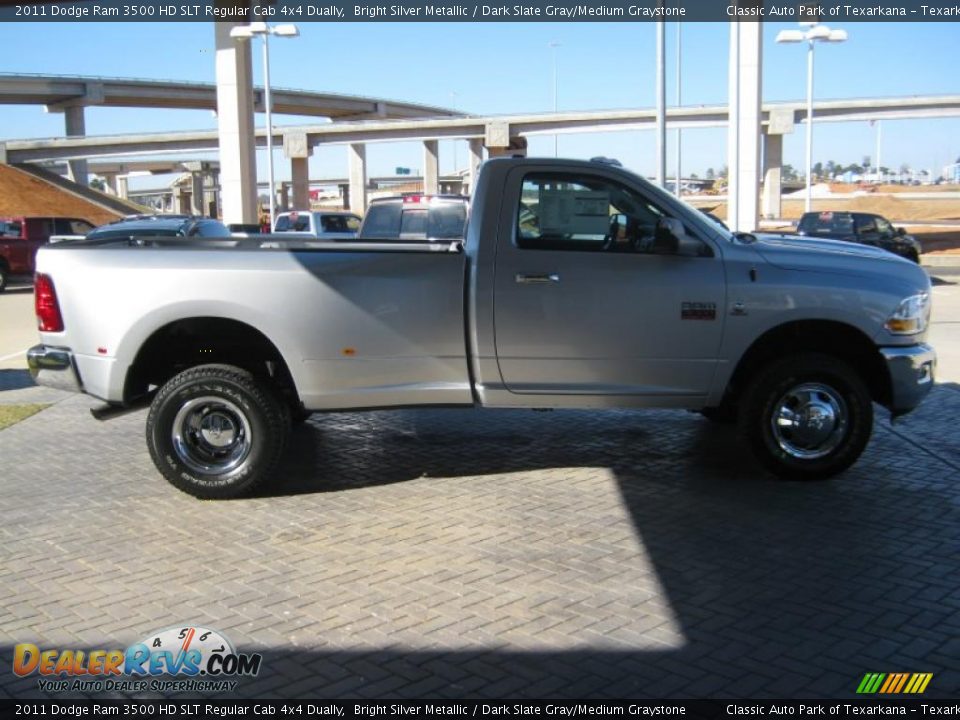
(595, 296)
(14, 247)
(38, 233)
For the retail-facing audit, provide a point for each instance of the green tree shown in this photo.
(788, 172)
(711, 174)
(98, 184)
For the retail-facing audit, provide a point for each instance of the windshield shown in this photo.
(683, 210)
(826, 223)
(132, 232)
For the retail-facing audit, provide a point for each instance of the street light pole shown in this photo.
(815, 33)
(553, 45)
(267, 106)
(261, 29)
(808, 200)
(661, 86)
(678, 175)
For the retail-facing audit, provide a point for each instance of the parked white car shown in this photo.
(322, 224)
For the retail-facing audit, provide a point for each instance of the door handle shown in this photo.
(530, 278)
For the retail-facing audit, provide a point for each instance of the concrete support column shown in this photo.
(300, 175)
(76, 126)
(196, 194)
(499, 141)
(476, 157)
(772, 164)
(111, 181)
(357, 154)
(238, 170)
(284, 202)
(296, 148)
(743, 135)
(123, 190)
(182, 203)
(431, 167)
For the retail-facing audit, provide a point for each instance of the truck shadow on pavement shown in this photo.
(775, 589)
(609, 554)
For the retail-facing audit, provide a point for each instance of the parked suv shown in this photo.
(20, 237)
(863, 228)
(321, 224)
(416, 218)
(161, 225)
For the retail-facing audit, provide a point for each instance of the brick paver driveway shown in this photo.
(489, 554)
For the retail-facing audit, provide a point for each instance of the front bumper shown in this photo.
(912, 372)
(54, 367)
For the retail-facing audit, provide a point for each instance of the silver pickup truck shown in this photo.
(577, 285)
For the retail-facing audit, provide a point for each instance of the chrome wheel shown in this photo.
(809, 421)
(211, 435)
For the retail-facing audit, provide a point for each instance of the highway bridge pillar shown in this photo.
(431, 167)
(111, 180)
(772, 164)
(76, 126)
(476, 157)
(123, 189)
(196, 194)
(296, 147)
(779, 123)
(743, 133)
(357, 154)
(300, 175)
(238, 170)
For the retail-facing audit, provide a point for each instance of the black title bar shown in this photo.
(562, 709)
(470, 11)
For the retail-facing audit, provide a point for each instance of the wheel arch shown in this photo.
(828, 337)
(188, 342)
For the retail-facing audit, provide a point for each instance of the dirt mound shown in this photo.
(892, 208)
(23, 194)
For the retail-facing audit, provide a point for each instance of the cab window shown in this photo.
(10, 229)
(591, 214)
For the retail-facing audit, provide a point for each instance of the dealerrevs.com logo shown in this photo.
(201, 659)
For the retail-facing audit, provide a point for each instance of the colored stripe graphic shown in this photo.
(894, 683)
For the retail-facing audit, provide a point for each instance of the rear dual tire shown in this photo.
(216, 431)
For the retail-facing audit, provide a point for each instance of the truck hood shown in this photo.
(795, 252)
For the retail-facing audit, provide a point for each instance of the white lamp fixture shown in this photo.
(261, 29)
(815, 33)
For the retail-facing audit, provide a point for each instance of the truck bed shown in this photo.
(360, 324)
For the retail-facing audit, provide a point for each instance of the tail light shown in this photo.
(45, 303)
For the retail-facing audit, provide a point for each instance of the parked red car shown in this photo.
(21, 236)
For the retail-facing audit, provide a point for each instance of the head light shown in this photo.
(911, 316)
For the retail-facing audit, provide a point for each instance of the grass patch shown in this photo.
(12, 414)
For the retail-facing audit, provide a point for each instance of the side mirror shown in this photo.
(901, 231)
(671, 239)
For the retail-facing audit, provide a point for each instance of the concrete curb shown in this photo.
(944, 260)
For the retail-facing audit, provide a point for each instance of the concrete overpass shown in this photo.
(493, 132)
(59, 92)
(71, 94)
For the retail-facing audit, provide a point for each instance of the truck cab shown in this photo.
(320, 224)
(21, 237)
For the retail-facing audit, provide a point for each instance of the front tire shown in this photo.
(215, 431)
(807, 417)
(4, 275)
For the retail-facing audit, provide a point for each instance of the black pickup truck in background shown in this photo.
(863, 228)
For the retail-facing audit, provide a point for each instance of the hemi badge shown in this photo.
(698, 311)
